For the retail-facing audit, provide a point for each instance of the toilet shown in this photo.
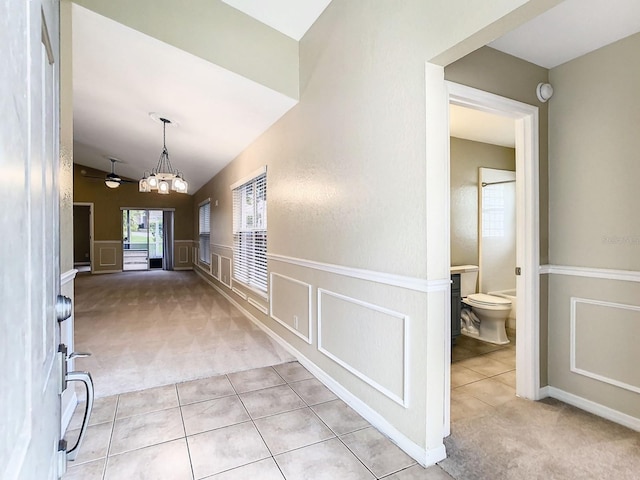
(492, 311)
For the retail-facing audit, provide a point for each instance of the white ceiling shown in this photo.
(481, 126)
(121, 75)
(291, 17)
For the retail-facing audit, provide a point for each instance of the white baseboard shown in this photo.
(595, 408)
(69, 403)
(421, 455)
(100, 272)
(543, 393)
(183, 268)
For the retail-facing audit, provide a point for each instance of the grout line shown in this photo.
(184, 429)
(113, 427)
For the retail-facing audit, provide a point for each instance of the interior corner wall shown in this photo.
(466, 158)
(346, 175)
(496, 72)
(594, 317)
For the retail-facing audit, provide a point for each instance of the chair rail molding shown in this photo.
(591, 272)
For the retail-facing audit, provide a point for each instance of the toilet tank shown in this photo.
(468, 278)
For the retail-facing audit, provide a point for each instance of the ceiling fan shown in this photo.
(112, 180)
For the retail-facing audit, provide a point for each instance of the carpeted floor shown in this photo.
(146, 329)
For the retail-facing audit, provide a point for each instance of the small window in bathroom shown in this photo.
(493, 211)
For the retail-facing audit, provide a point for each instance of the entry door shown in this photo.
(29, 256)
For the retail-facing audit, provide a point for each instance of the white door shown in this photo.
(29, 252)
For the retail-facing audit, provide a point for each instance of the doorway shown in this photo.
(83, 236)
(143, 234)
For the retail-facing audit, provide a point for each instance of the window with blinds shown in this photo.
(204, 224)
(250, 233)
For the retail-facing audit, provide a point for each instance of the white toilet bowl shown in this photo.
(492, 312)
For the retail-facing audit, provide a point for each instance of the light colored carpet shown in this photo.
(541, 440)
(146, 329)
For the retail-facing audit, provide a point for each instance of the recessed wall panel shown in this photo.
(368, 340)
(291, 304)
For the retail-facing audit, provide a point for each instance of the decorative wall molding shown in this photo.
(401, 400)
(572, 339)
(595, 408)
(219, 245)
(100, 272)
(423, 456)
(309, 338)
(589, 272)
(257, 305)
(411, 283)
(68, 276)
(111, 250)
(225, 280)
(215, 266)
(183, 254)
(239, 292)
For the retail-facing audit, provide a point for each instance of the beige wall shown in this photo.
(346, 187)
(466, 157)
(594, 224)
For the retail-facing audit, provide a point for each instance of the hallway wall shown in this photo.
(347, 210)
(594, 281)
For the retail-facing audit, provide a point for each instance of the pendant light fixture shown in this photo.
(163, 178)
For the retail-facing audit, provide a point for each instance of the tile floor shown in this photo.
(483, 376)
(272, 423)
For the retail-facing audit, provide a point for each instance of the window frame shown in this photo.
(204, 234)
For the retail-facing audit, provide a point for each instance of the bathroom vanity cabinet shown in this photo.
(455, 307)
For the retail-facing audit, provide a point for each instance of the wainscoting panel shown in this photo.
(215, 266)
(291, 303)
(372, 342)
(225, 270)
(109, 255)
(604, 342)
(181, 258)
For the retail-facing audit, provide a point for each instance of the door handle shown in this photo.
(84, 377)
(64, 308)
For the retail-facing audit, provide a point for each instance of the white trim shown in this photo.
(68, 276)
(183, 241)
(230, 284)
(308, 339)
(528, 235)
(404, 400)
(100, 272)
(411, 283)
(595, 408)
(257, 305)
(590, 272)
(260, 171)
(239, 292)
(182, 268)
(204, 202)
(219, 245)
(572, 341)
(260, 293)
(217, 274)
(108, 241)
(543, 392)
(91, 223)
(421, 455)
(115, 261)
(146, 209)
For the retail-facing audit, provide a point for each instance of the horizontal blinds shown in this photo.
(204, 226)
(250, 233)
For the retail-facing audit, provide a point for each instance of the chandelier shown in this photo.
(163, 178)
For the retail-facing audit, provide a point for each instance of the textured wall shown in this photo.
(466, 157)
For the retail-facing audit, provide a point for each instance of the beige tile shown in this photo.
(295, 429)
(377, 452)
(222, 412)
(167, 461)
(465, 406)
(255, 379)
(292, 372)
(313, 391)
(205, 389)
(328, 460)
(86, 471)
(225, 448)
(489, 391)
(94, 445)
(264, 470)
(506, 356)
(271, 401)
(461, 375)
(420, 473)
(340, 417)
(104, 410)
(485, 366)
(508, 378)
(144, 430)
(145, 401)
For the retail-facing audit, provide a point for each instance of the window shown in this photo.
(205, 232)
(250, 231)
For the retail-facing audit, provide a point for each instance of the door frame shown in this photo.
(439, 94)
(90, 205)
